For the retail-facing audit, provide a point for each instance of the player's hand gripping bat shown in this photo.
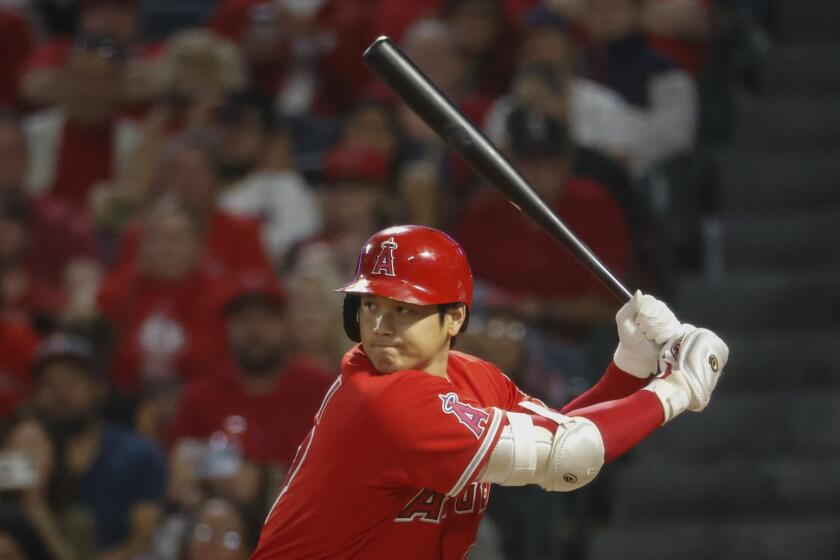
(437, 111)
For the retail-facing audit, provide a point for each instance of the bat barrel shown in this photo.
(418, 92)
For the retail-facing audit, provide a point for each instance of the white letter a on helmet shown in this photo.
(385, 260)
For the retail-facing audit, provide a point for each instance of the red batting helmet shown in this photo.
(415, 264)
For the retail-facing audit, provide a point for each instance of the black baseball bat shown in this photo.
(418, 92)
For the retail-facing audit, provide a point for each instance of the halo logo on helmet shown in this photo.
(385, 261)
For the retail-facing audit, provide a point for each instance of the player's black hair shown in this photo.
(350, 312)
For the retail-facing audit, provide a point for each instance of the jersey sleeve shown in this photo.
(431, 435)
(509, 394)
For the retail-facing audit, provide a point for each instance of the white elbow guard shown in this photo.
(576, 456)
(561, 461)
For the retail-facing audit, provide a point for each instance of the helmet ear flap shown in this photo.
(350, 311)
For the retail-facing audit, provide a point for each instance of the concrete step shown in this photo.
(751, 426)
(803, 67)
(759, 538)
(760, 301)
(775, 241)
(780, 360)
(754, 181)
(793, 120)
(649, 490)
(812, 20)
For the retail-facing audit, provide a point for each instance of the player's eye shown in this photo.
(368, 305)
(404, 310)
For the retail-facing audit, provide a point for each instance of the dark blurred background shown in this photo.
(184, 182)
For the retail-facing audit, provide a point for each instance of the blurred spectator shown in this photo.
(484, 41)
(16, 42)
(23, 293)
(663, 96)
(214, 468)
(353, 194)
(304, 55)
(184, 497)
(18, 539)
(546, 82)
(189, 168)
(159, 306)
(193, 76)
(43, 240)
(17, 352)
(269, 401)
(417, 161)
(220, 533)
(83, 141)
(427, 168)
(13, 153)
(38, 487)
(315, 310)
(279, 44)
(430, 44)
(43, 83)
(680, 30)
(119, 477)
(546, 283)
(197, 68)
(256, 184)
(372, 123)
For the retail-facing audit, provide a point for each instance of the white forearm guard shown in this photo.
(561, 461)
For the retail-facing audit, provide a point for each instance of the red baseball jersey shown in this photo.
(389, 467)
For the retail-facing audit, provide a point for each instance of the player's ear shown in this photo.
(456, 319)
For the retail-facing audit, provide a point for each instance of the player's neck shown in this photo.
(438, 363)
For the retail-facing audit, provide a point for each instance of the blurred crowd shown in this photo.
(183, 184)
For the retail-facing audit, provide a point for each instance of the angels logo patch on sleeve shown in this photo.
(473, 418)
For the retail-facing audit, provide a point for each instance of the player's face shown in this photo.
(398, 336)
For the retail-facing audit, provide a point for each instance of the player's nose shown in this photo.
(382, 325)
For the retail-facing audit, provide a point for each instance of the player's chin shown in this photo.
(385, 360)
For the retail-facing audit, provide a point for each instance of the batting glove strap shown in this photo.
(673, 393)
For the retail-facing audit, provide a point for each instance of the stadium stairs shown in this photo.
(757, 475)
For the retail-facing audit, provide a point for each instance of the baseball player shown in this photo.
(412, 434)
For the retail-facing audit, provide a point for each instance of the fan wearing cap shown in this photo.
(352, 191)
(118, 476)
(269, 393)
(548, 284)
(411, 435)
(41, 82)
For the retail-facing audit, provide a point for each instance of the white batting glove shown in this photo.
(644, 323)
(692, 364)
